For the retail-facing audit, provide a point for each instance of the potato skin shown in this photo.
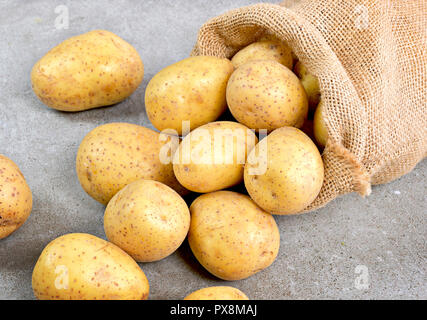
(319, 125)
(16, 200)
(80, 266)
(87, 71)
(266, 95)
(217, 293)
(147, 219)
(116, 154)
(190, 90)
(310, 84)
(231, 236)
(213, 176)
(293, 176)
(264, 50)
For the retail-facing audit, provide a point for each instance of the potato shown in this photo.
(266, 95)
(320, 131)
(79, 266)
(190, 90)
(264, 50)
(231, 236)
(16, 200)
(287, 176)
(147, 219)
(310, 84)
(116, 154)
(212, 156)
(87, 71)
(217, 293)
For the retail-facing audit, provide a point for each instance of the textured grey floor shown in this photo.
(320, 252)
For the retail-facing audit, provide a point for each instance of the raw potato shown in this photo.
(147, 219)
(264, 50)
(15, 197)
(266, 95)
(216, 156)
(113, 155)
(310, 84)
(87, 71)
(79, 266)
(190, 90)
(217, 293)
(320, 131)
(271, 37)
(231, 236)
(293, 172)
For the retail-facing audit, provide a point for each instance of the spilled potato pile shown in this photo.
(258, 159)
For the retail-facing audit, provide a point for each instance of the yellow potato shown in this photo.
(217, 293)
(190, 90)
(212, 157)
(87, 71)
(266, 95)
(15, 197)
(320, 131)
(287, 174)
(310, 84)
(147, 219)
(79, 266)
(231, 236)
(113, 155)
(271, 37)
(264, 50)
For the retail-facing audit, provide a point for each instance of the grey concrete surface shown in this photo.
(320, 252)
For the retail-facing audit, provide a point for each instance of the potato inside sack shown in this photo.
(310, 84)
(147, 219)
(212, 157)
(79, 266)
(264, 94)
(284, 172)
(270, 37)
(264, 50)
(87, 71)
(231, 236)
(319, 126)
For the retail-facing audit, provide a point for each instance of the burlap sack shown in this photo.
(370, 58)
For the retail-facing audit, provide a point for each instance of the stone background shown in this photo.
(320, 251)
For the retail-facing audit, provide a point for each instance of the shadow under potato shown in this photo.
(190, 197)
(184, 253)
